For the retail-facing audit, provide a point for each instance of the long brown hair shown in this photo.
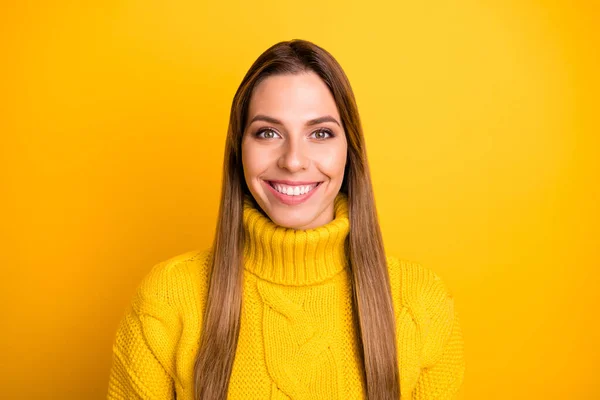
(370, 281)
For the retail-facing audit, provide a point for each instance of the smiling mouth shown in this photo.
(293, 190)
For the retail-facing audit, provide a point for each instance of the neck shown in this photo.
(295, 256)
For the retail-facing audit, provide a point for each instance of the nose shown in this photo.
(294, 157)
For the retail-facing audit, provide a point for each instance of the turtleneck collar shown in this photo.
(295, 257)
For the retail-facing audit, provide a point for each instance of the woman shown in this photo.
(296, 297)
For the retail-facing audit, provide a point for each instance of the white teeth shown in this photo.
(293, 190)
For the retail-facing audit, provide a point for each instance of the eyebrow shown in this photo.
(315, 121)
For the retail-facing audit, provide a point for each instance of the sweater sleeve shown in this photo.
(443, 363)
(139, 370)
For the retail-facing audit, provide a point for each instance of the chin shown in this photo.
(289, 220)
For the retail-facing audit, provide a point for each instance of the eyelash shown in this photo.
(273, 130)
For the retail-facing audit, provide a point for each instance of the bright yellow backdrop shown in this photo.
(480, 126)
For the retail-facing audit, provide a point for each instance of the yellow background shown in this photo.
(481, 131)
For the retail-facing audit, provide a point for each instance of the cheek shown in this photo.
(332, 161)
(254, 160)
(249, 159)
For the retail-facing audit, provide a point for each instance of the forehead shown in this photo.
(293, 98)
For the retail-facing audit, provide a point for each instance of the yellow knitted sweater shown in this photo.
(297, 338)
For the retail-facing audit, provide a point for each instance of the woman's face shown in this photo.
(294, 150)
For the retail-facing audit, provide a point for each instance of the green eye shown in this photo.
(322, 134)
(266, 134)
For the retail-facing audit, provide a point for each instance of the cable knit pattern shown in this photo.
(298, 337)
(298, 344)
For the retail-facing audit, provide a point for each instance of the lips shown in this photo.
(292, 192)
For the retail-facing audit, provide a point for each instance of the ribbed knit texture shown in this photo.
(297, 337)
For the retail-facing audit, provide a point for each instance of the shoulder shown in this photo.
(164, 310)
(416, 282)
(170, 300)
(427, 298)
(171, 282)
